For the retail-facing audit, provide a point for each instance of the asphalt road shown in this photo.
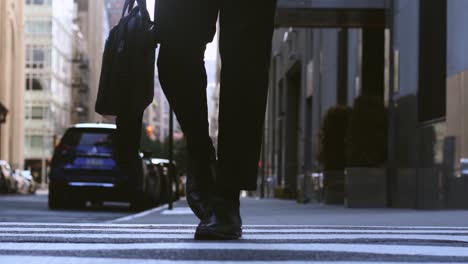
(117, 243)
(33, 208)
(275, 232)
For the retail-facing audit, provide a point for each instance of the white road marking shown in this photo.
(250, 236)
(178, 211)
(93, 224)
(408, 250)
(285, 236)
(74, 260)
(139, 215)
(343, 227)
(117, 230)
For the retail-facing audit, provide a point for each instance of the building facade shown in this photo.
(80, 111)
(12, 81)
(95, 28)
(158, 113)
(49, 40)
(410, 53)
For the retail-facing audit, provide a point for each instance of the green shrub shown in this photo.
(332, 150)
(366, 141)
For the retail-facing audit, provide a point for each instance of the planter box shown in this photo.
(366, 187)
(333, 182)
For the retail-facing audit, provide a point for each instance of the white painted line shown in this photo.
(75, 260)
(407, 250)
(178, 211)
(364, 226)
(340, 227)
(248, 236)
(139, 215)
(25, 230)
(94, 225)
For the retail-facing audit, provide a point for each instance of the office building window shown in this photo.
(38, 56)
(38, 27)
(34, 141)
(38, 83)
(38, 2)
(37, 112)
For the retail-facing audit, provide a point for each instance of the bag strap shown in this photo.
(129, 4)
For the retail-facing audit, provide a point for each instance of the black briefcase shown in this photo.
(127, 74)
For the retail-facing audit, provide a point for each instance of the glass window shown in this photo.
(38, 27)
(37, 112)
(38, 55)
(37, 141)
(38, 2)
(34, 141)
(38, 82)
(36, 85)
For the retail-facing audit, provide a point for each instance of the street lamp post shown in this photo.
(171, 157)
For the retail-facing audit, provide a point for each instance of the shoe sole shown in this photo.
(211, 235)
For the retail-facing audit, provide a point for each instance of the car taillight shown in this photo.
(63, 153)
(62, 149)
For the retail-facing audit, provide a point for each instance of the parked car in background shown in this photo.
(27, 175)
(171, 186)
(21, 184)
(83, 168)
(8, 183)
(24, 183)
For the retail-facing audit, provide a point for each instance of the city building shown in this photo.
(49, 36)
(12, 82)
(94, 24)
(410, 53)
(158, 113)
(80, 78)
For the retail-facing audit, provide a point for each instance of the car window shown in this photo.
(88, 137)
(95, 139)
(89, 140)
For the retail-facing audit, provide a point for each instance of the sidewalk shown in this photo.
(286, 212)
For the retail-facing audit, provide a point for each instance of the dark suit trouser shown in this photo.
(127, 138)
(246, 28)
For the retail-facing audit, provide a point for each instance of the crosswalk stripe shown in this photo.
(83, 260)
(249, 236)
(336, 247)
(107, 241)
(246, 230)
(343, 227)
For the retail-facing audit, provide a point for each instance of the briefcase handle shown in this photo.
(129, 4)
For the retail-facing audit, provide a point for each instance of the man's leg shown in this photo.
(127, 146)
(183, 79)
(185, 28)
(245, 48)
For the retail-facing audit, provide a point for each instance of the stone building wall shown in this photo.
(12, 81)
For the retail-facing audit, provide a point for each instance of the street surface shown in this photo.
(275, 231)
(33, 208)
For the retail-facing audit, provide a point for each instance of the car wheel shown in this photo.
(3, 185)
(56, 199)
(78, 204)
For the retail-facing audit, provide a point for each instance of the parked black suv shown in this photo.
(83, 169)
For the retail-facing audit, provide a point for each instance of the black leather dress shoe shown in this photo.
(199, 187)
(225, 223)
